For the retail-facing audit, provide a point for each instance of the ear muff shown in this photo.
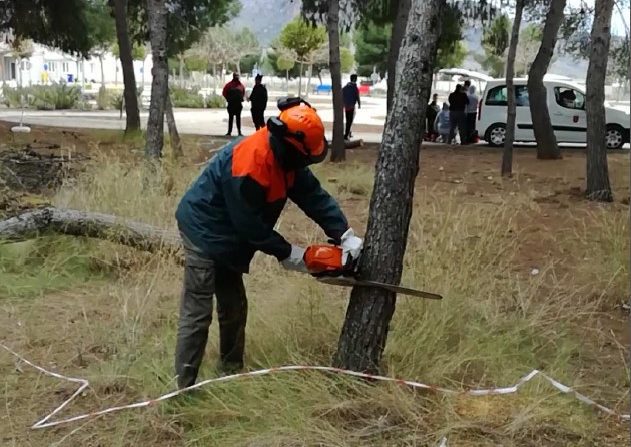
(322, 155)
(276, 127)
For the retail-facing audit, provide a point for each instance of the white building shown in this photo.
(45, 65)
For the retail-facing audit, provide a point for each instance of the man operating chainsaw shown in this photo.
(229, 213)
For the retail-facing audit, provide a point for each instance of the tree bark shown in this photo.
(398, 32)
(511, 114)
(300, 78)
(598, 187)
(547, 147)
(308, 85)
(338, 152)
(95, 225)
(370, 310)
(160, 84)
(102, 71)
(127, 62)
(181, 74)
(174, 136)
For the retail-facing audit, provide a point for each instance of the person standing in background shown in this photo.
(234, 92)
(350, 94)
(457, 109)
(472, 114)
(432, 111)
(442, 124)
(258, 101)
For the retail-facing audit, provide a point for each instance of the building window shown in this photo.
(64, 67)
(52, 66)
(92, 67)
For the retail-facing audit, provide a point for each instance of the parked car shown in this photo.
(566, 104)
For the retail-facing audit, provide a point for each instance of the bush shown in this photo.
(109, 99)
(54, 97)
(215, 102)
(42, 97)
(13, 97)
(181, 97)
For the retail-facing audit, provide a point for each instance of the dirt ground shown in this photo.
(554, 191)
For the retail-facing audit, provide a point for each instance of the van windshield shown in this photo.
(498, 96)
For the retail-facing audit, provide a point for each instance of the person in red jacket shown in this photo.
(234, 92)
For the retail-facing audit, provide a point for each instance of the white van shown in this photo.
(566, 104)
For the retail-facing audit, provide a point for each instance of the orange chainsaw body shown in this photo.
(323, 259)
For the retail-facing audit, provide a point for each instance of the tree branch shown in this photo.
(94, 225)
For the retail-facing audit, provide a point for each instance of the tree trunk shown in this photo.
(174, 136)
(300, 78)
(547, 147)
(96, 225)
(598, 187)
(338, 152)
(127, 62)
(398, 32)
(181, 74)
(160, 84)
(308, 86)
(287, 81)
(102, 71)
(511, 115)
(370, 310)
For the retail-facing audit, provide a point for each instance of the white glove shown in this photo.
(295, 261)
(351, 246)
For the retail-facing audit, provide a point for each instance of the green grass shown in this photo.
(34, 267)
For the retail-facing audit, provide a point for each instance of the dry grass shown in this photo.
(108, 314)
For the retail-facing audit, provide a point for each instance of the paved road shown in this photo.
(369, 118)
(192, 121)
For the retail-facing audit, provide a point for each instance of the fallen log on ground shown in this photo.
(95, 225)
(351, 144)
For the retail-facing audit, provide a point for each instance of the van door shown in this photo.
(523, 122)
(567, 113)
(497, 99)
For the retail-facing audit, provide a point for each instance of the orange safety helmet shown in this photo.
(300, 125)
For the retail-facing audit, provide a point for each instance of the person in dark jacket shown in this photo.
(230, 212)
(458, 102)
(350, 95)
(234, 92)
(258, 101)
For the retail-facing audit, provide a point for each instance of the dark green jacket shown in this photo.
(230, 211)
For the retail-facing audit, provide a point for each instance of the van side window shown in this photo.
(569, 98)
(498, 96)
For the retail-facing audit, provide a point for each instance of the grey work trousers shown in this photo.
(204, 277)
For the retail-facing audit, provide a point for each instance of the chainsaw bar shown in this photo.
(349, 281)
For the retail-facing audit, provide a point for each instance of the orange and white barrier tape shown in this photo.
(46, 422)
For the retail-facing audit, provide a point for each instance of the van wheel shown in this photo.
(495, 135)
(614, 136)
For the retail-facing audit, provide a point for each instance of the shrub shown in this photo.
(54, 97)
(117, 100)
(215, 102)
(181, 97)
(109, 99)
(13, 97)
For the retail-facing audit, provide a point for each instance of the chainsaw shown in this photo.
(325, 262)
